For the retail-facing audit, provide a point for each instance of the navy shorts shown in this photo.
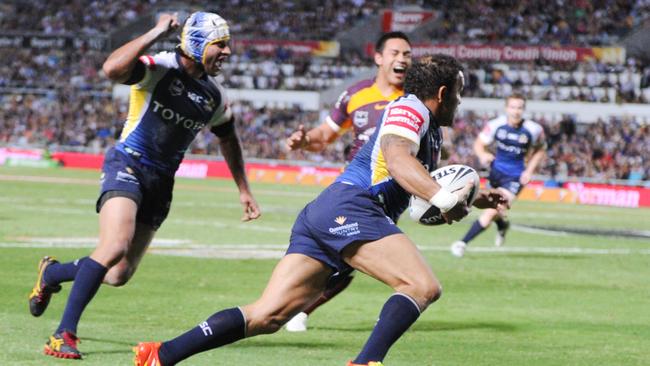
(125, 176)
(341, 215)
(499, 180)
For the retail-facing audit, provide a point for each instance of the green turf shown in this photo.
(498, 308)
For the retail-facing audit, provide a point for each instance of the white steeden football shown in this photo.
(452, 177)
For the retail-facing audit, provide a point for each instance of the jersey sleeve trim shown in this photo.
(333, 125)
(401, 132)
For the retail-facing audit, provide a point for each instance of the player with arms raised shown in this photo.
(173, 96)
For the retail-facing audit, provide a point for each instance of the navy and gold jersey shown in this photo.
(359, 108)
(512, 144)
(167, 108)
(409, 118)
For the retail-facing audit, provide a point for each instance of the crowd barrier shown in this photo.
(271, 172)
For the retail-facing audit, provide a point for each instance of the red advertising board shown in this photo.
(500, 53)
(574, 192)
(404, 21)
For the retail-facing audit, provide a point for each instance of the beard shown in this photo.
(445, 115)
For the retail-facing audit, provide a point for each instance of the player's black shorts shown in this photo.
(498, 179)
(341, 215)
(124, 176)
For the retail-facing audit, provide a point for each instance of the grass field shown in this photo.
(543, 299)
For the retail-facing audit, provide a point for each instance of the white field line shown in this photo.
(239, 251)
(86, 206)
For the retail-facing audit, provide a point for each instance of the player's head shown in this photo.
(205, 40)
(515, 107)
(393, 57)
(437, 80)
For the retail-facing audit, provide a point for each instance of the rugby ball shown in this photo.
(452, 177)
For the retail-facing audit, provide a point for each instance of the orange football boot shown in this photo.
(146, 354)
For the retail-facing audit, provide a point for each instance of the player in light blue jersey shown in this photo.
(350, 225)
(173, 96)
(515, 139)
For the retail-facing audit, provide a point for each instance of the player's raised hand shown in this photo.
(250, 206)
(298, 139)
(167, 24)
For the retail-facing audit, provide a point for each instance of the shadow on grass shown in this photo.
(110, 341)
(266, 342)
(124, 351)
(501, 256)
(125, 346)
(433, 326)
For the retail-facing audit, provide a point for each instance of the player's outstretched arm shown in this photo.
(120, 64)
(532, 165)
(231, 150)
(411, 175)
(314, 140)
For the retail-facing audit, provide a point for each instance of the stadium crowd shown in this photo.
(605, 150)
(56, 97)
(589, 82)
(284, 19)
(579, 22)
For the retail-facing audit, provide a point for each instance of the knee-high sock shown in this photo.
(62, 272)
(502, 224)
(473, 231)
(397, 315)
(224, 327)
(89, 278)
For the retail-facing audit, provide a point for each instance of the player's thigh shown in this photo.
(296, 281)
(396, 261)
(117, 223)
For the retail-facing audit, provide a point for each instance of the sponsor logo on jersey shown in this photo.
(513, 136)
(510, 148)
(176, 118)
(406, 117)
(501, 134)
(206, 103)
(176, 87)
(523, 139)
(360, 118)
(340, 220)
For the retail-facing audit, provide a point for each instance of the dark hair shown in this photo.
(381, 42)
(516, 95)
(429, 73)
